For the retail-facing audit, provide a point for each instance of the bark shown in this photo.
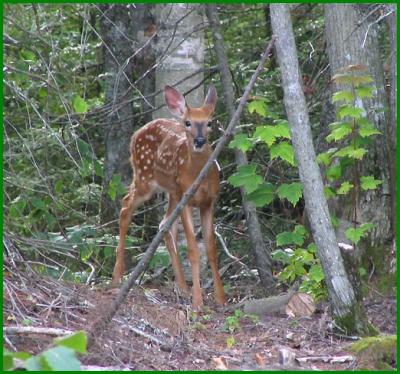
(347, 314)
(352, 42)
(144, 28)
(260, 252)
(180, 52)
(392, 130)
(100, 323)
(117, 48)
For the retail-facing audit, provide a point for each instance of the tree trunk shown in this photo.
(392, 132)
(144, 28)
(117, 48)
(348, 315)
(352, 42)
(180, 52)
(261, 254)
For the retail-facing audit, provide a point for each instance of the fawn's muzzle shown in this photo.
(199, 142)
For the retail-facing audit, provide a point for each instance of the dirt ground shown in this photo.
(157, 330)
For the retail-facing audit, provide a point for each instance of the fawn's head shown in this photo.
(197, 121)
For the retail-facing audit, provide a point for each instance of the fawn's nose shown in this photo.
(199, 142)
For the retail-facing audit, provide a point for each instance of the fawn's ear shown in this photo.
(175, 101)
(211, 99)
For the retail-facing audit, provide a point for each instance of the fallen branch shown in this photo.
(327, 359)
(100, 323)
(36, 330)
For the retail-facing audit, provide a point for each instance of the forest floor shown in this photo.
(153, 330)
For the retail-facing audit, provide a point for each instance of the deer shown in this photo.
(168, 155)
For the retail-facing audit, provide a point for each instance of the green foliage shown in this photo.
(246, 177)
(355, 234)
(291, 192)
(350, 134)
(62, 357)
(300, 263)
(232, 322)
(264, 194)
(284, 150)
(242, 142)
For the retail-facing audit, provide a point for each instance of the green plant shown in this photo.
(232, 323)
(300, 263)
(62, 357)
(351, 134)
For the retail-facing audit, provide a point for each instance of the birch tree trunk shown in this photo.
(117, 48)
(348, 315)
(261, 254)
(180, 52)
(350, 41)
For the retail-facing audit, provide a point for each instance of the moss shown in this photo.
(377, 352)
(355, 323)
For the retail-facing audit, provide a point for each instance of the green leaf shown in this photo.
(366, 128)
(284, 150)
(355, 234)
(265, 134)
(281, 256)
(258, 106)
(301, 230)
(79, 104)
(263, 195)
(351, 152)
(58, 186)
(340, 132)
(350, 111)
(292, 192)
(39, 204)
(34, 363)
(287, 237)
(368, 182)
(42, 92)
(329, 192)
(365, 91)
(324, 158)
(8, 361)
(61, 359)
(98, 168)
(76, 341)
(282, 129)
(115, 187)
(344, 188)
(343, 96)
(28, 55)
(334, 172)
(297, 236)
(17, 208)
(246, 176)
(242, 142)
(316, 273)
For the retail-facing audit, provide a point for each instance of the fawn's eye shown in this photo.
(209, 124)
(188, 124)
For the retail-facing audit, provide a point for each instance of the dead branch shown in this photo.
(36, 330)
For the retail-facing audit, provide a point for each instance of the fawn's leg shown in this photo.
(207, 222)
(194, 256)
(171, 239)
(129, 203)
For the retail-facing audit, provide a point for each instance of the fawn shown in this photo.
(168, 155)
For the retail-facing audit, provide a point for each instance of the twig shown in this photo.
(36, 330)
(99, 324)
